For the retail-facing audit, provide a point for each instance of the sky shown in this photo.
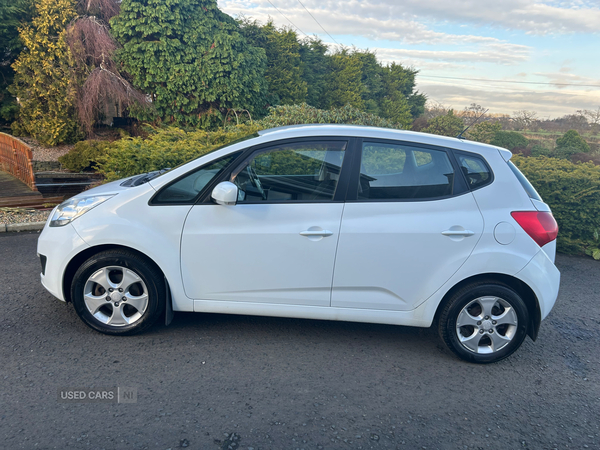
(505, 55)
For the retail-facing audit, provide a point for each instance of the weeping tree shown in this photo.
(99, 82)
(191, 58)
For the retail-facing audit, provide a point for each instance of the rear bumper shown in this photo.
(542, 276)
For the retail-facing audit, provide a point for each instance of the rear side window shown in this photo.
(525, 182)
(401, 172)
(475, 170)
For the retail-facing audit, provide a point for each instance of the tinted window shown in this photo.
(306, 171)
(187, 188)
(399, 172)
(475, 170)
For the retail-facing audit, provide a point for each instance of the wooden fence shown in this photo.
(15, 158)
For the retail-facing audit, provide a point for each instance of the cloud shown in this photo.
(547, 104)
(391, 19)
(496, 53)
(344, 20)
(564, 77)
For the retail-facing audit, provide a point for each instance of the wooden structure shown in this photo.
(15, 158)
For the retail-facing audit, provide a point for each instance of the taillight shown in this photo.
(540, 226)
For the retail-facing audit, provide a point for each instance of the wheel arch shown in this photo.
(87, 253)
(526, 293)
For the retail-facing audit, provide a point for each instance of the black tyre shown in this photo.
(118, 292)
(484, 322)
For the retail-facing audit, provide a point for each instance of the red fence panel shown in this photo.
(15, 158)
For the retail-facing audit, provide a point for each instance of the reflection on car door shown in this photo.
(277, 244)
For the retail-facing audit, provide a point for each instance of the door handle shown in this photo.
(323, 233)
(458, 233)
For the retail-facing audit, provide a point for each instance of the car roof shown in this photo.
(295, 131)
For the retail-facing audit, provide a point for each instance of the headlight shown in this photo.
(71, 209)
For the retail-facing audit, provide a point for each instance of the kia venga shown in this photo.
(319, 222)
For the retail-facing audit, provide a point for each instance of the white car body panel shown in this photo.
(208, 255)
(384, 244)
(255, 253)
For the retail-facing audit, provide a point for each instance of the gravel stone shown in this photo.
(21, 215)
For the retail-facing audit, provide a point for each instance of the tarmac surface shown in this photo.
(211, 381)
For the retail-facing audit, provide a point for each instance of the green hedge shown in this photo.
(169, 147)
(164, 148)
(573, 193)
(509, 140)
(85, 155)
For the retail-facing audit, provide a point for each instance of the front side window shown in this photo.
(307, 171)
(401, 172)
(186, 189)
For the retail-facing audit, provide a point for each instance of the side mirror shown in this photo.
(225, 193)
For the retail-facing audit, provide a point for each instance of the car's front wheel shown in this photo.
(118, 292)
(484, 322)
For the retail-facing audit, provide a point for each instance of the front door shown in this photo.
(277, 244)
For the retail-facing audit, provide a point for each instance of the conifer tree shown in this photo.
(44, 83)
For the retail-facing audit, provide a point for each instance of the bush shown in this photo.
(448, 125)
(509, 140)
(571, 142)
(169, 147)
(304, 114)
(540, 150)
(85, 155)
(573, 193)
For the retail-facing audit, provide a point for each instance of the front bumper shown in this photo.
(59, 245)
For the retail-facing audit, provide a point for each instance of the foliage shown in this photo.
(315, 63)
(540, 150)
(569, 144)
(100, 85)
(169, 147)
(509, 140)
(190, 58)
(301, 114)
(84, 155)
(303, 71)
(446, 125)
(13, 13)
(345, 81)
(593, 249)
(484, 131)
(573, 193)
(43, 79)
(284, 68)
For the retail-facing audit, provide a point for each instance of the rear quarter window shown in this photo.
(475, 169)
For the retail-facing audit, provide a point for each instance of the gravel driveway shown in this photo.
(232, 382)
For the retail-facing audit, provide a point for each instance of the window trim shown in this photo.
(239, 163)
(460, 185)
(482, 158)
(153, 202)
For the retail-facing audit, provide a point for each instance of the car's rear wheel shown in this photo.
(118, 292)
(484, 322)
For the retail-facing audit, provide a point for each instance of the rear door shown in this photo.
(409, 223)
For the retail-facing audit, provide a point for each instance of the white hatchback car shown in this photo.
(320, 222)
